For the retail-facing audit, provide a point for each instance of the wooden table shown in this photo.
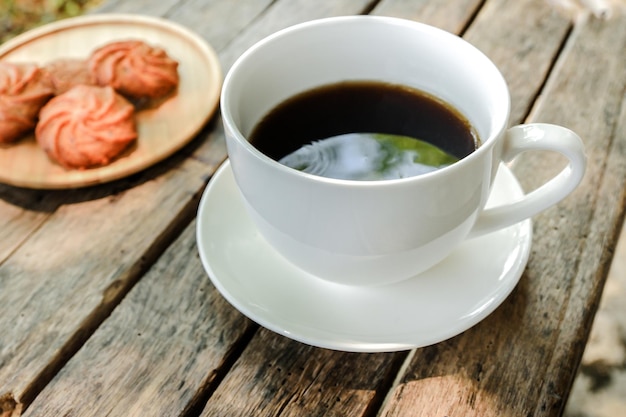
(105, 308)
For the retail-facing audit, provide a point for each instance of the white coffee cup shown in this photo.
(377, 232)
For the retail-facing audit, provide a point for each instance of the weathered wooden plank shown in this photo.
(206, 17)
(522, 38)
(522, 359)
(162, 346)
(277, 376)
(55, 291)
(283, 14)
(22, 211)
(218, 20)
(452, 16)
(589, 96)
(57, 288)
(16, 225)
(146, 7)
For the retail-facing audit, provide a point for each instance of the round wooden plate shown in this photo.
(162, 130)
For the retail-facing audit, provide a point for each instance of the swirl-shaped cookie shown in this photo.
(24, 89)
(134, 69)
(85, 127)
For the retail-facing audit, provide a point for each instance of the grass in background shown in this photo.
(17, 16)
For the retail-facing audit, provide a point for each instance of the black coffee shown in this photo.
(364, 130)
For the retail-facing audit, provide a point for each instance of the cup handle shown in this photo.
(536, 136)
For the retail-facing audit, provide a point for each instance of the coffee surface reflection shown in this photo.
(368, 157)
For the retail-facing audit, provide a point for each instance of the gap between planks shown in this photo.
(397, 380)
(472, 18)
(204, 393)
(554, 69)
(111, 298)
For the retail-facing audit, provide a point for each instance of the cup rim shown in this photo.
(485, 145)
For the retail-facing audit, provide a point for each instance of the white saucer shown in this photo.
(431, 307)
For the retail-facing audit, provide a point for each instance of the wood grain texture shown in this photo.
(17, 225)
(57, 285)
(522, 359)
(278, 376)
(283, 14)
(233, 18)
(145, 7)
(163, 345)
(22, 211)
(444, 14)
(587, 95)
(523, 38)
